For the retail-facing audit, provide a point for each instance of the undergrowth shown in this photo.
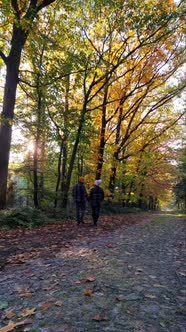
(22, 217)
(28, 217)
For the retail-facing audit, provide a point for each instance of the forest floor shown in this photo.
(128, 274)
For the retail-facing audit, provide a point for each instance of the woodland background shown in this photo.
(92, 88)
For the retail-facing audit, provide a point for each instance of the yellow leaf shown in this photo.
(10, 122)
(27, 295)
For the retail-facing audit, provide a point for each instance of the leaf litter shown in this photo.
(132, 280)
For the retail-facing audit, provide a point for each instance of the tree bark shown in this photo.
(102, 135)
(12, 66)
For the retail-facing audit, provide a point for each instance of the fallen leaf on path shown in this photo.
(159, 286)
(128, 253)
(51, 286)
(11, 326)
(183, 274)
(88, 279)
(88, 292)
(9, 314)
(120, 298)
(99, 318)
(62, 275)
(110, 245)
(45, 306)
(29, 275)
(150, 296)
(22, 290)
(59, 303)
(28, 312)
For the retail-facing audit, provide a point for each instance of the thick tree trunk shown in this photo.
(6, 125)
(19, 36)
(12, 69)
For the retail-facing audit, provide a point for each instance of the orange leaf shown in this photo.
(88, 292)
(9, 327)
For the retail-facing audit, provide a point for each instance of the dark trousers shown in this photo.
(80, 212)
(95, 213)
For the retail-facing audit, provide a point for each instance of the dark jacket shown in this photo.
(80, 193)
(96, 196)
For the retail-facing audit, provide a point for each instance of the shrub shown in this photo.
(22, 217)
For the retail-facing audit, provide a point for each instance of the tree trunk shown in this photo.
(35, 173)
(112, 181)
(73, 157)
(19, 36)
(58, 174)
(63, 175)
(12, 70)
(102, 136)
(6, 123)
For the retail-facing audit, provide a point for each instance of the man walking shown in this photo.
(96, 197)
(80, 199)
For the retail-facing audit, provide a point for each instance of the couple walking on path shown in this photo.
(95, 197)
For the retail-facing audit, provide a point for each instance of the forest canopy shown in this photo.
(92, 88)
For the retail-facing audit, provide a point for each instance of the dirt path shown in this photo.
(126, 275)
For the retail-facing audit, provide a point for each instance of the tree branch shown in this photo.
(44, 4)
(3, 56)
(16, 8)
